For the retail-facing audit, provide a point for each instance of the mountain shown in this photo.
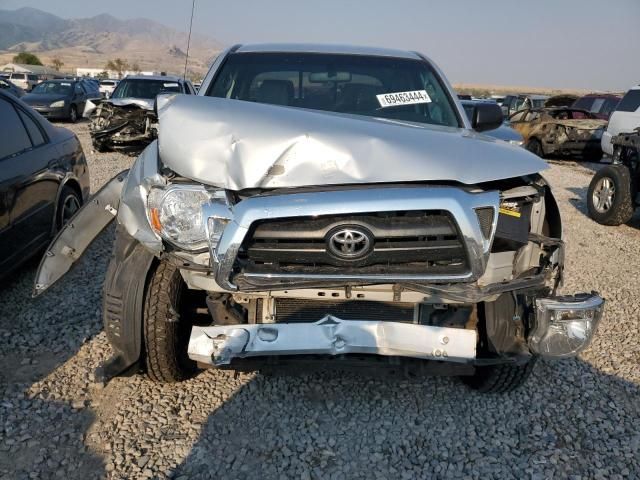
(91, 42)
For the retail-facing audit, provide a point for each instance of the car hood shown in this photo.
(42, 98)
(505, 133)
(237, 145)
(145, 103)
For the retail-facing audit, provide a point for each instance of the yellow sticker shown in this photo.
(507, 211)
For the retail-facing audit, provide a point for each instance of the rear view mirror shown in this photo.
(325, 77)
(486, 116)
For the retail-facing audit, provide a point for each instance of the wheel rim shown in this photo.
(603, 195)
(69, 207)
(73, 114)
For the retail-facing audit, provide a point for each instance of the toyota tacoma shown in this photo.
(330, 206)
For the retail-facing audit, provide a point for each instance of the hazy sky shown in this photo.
(593, 44)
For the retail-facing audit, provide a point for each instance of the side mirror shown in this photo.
(487, 116)
(161, 100)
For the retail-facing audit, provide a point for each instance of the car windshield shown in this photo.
(143, 88)
(386, 87)
(57, 88)
(537, 102)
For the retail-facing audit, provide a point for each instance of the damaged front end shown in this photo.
(123, 126)
(423, 262)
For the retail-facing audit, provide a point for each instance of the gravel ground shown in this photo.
(578, 418)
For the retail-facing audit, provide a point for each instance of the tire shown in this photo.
(99, 146)
(499, 378)
(73, 114)
(69, 203)
(166, 334)
(535, 147)
(610, 196)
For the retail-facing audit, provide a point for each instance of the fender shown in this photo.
(123, 303)
(71, 241)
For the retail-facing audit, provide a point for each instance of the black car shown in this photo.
(44, 179)
(60, 99)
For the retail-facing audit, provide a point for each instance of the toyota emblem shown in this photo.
(350, 243)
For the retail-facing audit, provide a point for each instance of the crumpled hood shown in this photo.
(140, 102)
(236, 145)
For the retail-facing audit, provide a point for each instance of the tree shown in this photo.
(57, 63)
(118, 65)
(26, 58)
(102, 75)
(134, 67)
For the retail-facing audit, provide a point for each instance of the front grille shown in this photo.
(401, 242)
(293, 310)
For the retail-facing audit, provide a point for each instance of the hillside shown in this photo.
(91, 42)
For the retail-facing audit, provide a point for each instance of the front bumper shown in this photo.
(580, 147)
(564, 326)
(48, 112)
(218, 345)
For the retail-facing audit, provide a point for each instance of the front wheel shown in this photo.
(69, 203)
(535, 147)
(166, 331)
(499, 378)
(609, 197)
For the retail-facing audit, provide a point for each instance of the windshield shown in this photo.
(143, 88)
(386, 87)
(56, 88)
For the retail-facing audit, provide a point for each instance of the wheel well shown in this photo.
(75, 186)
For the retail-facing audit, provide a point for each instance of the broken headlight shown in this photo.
(565, 325)
(175, 213)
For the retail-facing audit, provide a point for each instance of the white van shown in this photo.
(26, 81)
(624, 119)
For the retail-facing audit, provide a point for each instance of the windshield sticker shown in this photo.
(167, 85)
(403, 98)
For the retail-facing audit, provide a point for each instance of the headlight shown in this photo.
(175, 213)
(59, 103)
(565, 325)
(517, 143)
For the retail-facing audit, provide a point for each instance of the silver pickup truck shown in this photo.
(323, 207)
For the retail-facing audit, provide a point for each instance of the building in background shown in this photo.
(43, 73)
(95, 72)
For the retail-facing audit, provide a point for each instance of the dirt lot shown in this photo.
(577, 418)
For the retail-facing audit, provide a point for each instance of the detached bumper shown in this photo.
(219, 345)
